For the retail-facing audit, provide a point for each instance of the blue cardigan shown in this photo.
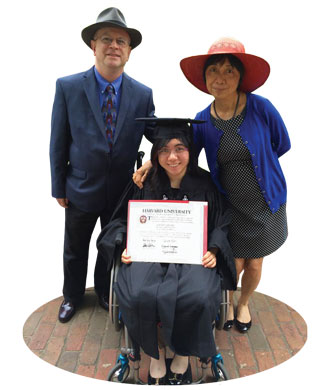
(266, 137)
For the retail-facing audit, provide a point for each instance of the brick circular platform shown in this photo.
(89, 345)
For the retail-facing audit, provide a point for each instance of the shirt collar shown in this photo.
(103, 83)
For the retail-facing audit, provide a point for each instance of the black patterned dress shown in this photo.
(254, 232)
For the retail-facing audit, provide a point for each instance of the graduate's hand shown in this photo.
(63, 202)
(141, 174)
(124, 258)
(209, 260)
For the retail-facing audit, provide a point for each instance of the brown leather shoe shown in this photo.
(66, 312)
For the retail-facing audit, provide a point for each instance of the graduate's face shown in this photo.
(111, 47)
(174, 158)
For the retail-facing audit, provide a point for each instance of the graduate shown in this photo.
(166, 304)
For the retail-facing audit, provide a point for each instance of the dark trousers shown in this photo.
(79, 226)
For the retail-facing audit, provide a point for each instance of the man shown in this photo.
(93, 148)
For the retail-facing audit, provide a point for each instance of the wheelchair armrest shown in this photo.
(119, 238)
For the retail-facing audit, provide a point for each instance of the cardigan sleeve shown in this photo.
(279, 134)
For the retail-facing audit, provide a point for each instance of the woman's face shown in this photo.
(174, 158)
(222, 80)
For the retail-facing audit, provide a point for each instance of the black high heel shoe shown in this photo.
(180, 379)
(228, 325)
(242, 327)
(156, 381)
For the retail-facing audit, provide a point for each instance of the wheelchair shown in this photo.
(130, 357)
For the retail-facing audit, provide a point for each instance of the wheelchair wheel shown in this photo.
(113, 302)
(117, 320)
(118, 373)
(220, 373)
(222, 314)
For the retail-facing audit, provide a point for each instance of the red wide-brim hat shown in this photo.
(256, 69)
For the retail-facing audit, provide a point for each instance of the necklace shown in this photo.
(237, 101)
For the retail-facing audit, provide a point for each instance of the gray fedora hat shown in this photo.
(111, 17)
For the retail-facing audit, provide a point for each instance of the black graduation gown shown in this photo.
(184, 298)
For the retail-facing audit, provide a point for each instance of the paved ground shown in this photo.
(88, 345)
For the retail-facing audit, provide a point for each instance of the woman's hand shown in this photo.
(209, 260)
(125, 258)
(141, 174)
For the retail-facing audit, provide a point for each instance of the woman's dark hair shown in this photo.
(158, 176)
(221, 58)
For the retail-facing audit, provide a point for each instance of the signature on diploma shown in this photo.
(170, 248)
(148, 243)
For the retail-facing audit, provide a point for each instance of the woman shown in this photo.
(183, 298)
(243, 137)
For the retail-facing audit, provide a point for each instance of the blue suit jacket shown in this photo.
(82, 168)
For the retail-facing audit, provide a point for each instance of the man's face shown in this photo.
(111, 47)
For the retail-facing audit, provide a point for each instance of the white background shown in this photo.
(41, 42)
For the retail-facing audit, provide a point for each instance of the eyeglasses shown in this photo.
(108, 41)
(167, 151)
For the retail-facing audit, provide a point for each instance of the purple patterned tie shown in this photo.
(109, 113)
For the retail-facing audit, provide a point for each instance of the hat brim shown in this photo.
(256, 71)
(88, 33)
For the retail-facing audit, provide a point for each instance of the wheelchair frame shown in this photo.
(131, 353)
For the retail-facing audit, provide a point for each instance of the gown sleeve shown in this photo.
(219, 218)
(113, 235)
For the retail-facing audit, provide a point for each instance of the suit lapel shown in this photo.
(92, 93)
(125, 102)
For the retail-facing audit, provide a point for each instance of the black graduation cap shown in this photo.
(170, 127)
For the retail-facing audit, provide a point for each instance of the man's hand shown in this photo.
(141, 174)
(63, 202)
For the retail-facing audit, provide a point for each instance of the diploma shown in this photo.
(167, 231)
